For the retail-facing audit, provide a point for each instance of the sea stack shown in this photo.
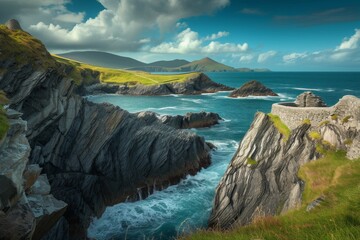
(308, 99)
(252, 88)
(13, 24)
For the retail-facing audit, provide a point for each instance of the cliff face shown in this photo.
(27, 209)
(93, 154)
(262, 177)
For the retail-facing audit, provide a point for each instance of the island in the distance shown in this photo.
(252, 88)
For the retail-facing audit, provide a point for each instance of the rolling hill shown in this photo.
(109, 60)
(103, 59)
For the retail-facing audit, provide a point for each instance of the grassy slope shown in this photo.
(282, 128)
(338, 217)
(118, 76)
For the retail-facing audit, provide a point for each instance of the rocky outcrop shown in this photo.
(190, 120)
(262, 177)
(13, 24)
(252, 88)
(308, 99)
(94, 155)
(197, 85)
(24, 214)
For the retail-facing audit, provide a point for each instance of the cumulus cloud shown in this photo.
(119, 27)
(188, 41)
(215, 36)
(246, 58)
(351, 43)
(263, 57)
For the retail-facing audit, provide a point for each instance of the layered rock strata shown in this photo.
(26, 210)
(94, 155)
(262, 180)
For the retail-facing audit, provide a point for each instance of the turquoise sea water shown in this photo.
(185, 207)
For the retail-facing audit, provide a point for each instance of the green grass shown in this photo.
(24, 49)
(251, 161)
(314, 135)
(346, 119)
(323, 123)
(306, 121)
(281, 127)
(4, 124)
(120, 76)
(334, 117)
(338, 217)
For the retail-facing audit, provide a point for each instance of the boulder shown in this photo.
(308, 99)
(252, 88)
(31, 174)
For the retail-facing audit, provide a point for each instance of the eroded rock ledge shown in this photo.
(262, 180)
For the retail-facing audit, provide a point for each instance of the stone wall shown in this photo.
(293, 116)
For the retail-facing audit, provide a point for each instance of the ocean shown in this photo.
(183, 208)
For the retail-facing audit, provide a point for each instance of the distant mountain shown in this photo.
(169, 64)
(109, 60)
(205, 65)
(103, 59)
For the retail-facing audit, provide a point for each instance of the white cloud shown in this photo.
(71, 17)
(292, 57)
(188, 41)
(121, 25)
(263, 57)
(246, 58)
(215, 36)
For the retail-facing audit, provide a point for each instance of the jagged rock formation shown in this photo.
(199, 84)
(190, 120)
(25, 212)
(308, 99)
(13, 24)
(262, 176)
(252, 88)
(94, 155)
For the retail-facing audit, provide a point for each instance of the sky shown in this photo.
(292, 35)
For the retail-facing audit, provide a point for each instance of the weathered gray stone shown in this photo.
(13, 24)
(47, 211)
(41, 186)
(31, 174)
(308, 99)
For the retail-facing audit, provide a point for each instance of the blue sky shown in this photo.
(300, 35)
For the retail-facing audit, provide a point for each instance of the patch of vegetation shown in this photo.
(120, 76)
(22, 48)
(334, 117)
(338, 217)
(306, 121)
(281, 127)
(323, 123)
(346, 119)
(348, 141)
(314, 135)
(4, 123)
(251, 161)
(319, 148)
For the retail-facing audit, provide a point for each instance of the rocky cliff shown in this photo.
(94, 155)
(196, 85)
(252, 88)
(27, 209)
(262, 178)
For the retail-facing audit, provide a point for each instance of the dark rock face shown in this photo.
(252, 88)
(95, 155)
(308, 99)
(190, 120)
(197, 85)
(267, 184)
(13, 24)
